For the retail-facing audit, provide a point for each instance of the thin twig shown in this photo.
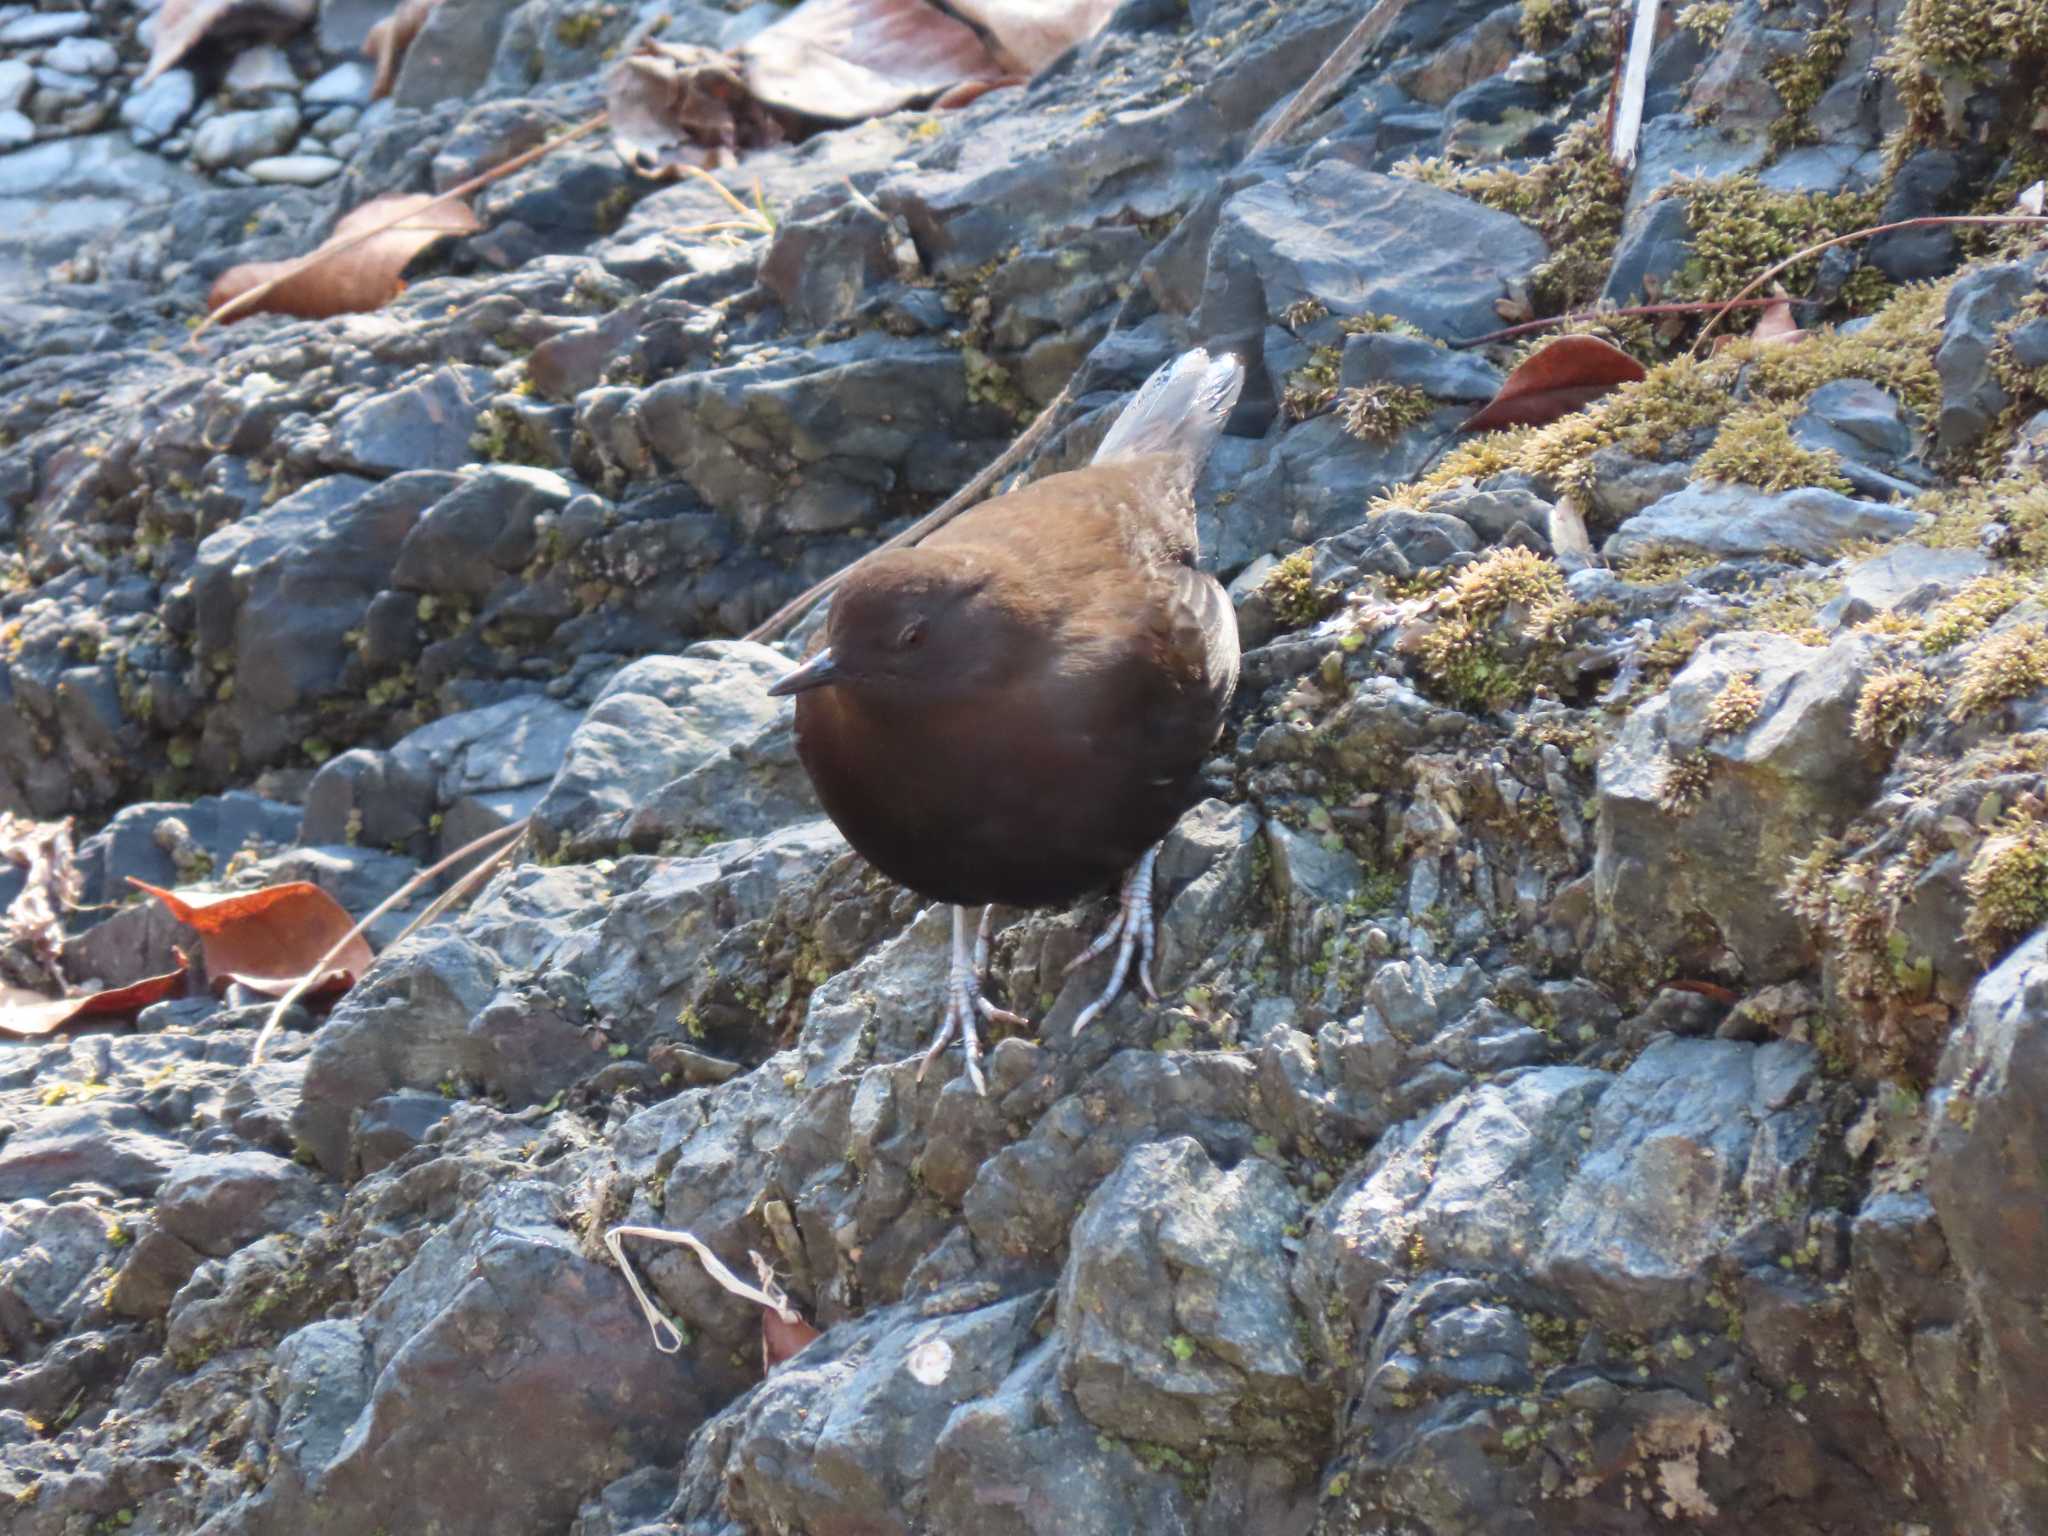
(1928, 221)
(1372, 26)
(242, 303)
(754, 220)
(396, 898)
(1689, 307)
(931, 522)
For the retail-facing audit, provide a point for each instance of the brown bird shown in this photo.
(1015, 711)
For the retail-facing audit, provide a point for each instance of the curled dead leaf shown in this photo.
(1030, 34)
(389, 39)
(364, 276)
(1728, 997)
(780, 1339)
(30, 1013)
(180, 24)
(1555, 381)
(845, 60)
(269, 939)
(672, 106)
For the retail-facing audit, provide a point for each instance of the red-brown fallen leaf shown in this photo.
(973, 90)
(364, 277)
(1032, 33)
(389, 39)
(268, 939)
(844, 60)
(1556, 381)
(780, 1340)
(30, 1013)
(1712, 990)
(182, 23)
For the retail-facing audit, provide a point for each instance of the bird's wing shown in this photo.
(1200, 630)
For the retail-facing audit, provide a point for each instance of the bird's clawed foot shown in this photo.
(964, 1000)
(1133, 930)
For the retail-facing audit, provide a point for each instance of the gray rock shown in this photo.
(1387, 358)
(83, 56)
(1857, 412)
(425, 425)
(209, 832)
(1978, 305)
(258, 71)
(474, 537)
(344, 24)
(214, 1203)
(105, 182)
(1656, 241)
(392, 1126)
(346, 84)
(238, 138)
(1909, 578)
(1987, 1173)
(15, 131)
(95, 1142)
(1669, 876)
(1741, 520)
(154, 112)
(1362, 243)
(655, 722)
(452, 54)
(1931, 180)
(295, 170)
(48, 1253)
(28, 31)
(1175, 1322)
(17, 79)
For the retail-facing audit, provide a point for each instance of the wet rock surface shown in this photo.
(1596, 1080)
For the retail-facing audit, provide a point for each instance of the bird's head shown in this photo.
(918, 622)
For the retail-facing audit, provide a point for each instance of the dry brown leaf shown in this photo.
(1776, 322)
(1712, 990)
(180, 24)
(1030, 34)
(389, 39)
(362, 278)
(31, 1013)
(32, 927)
(844, 60)
(780, 1339)
(1555, 381)
(268, 939)
(673, 105)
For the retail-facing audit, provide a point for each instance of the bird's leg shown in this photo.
(1133, 930)
(964, 999)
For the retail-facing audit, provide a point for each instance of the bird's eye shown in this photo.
(912, 636)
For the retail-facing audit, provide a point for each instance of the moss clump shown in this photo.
(1291, 591)
(2015, 505)
(1544, 23)
(1311, 388)
(1739, 227)
(1466, 655)
(1892, 705)
(1938, 43)
(1970, 612)
(2007, 666)
(2008, 885)
(1707, 20)
(1756, 447)
(1574, 199)
(1303, 312)
(1380, 413)
(578, 29)
(1683, 783)
(1801, 78)
(1735, 707)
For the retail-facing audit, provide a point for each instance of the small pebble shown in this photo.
(17, 79)
(260, 70)
(28, 31)
(83, 56)
(294, 170)
(348, 84)
(15, 130)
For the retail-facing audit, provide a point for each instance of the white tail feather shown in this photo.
(1180, 410)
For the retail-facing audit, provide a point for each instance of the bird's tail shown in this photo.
(1180, 411)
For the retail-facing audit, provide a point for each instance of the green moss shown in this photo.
(1739, 227)
(1469, 653)
(578, 29)
(1382, 412)
(1707, 20)
(1735, 707)
(1574, 198)
(1544, 23)
(1291, 591)
(1892, 705)
(1939, 44)
(2006, 666)
(1683, 783)
(1756, 447)
(1303, 312)
(2008, 885)
(1310, 389)
(1801, 78)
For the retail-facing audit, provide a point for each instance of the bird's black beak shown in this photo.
(815, 673)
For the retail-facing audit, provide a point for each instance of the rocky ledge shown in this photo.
(1601, 1075)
